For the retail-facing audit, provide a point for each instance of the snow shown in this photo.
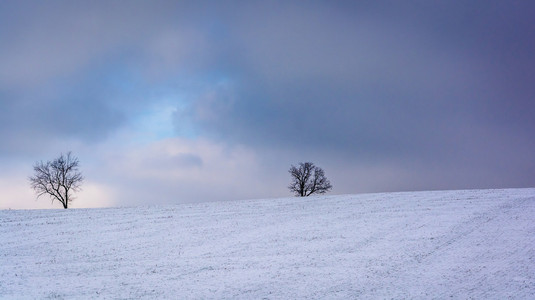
(420, 245)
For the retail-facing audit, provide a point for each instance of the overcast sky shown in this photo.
(173, 102)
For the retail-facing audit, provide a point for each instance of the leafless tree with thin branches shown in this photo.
(308, 179)
(58, 178)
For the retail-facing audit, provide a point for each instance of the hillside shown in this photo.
(460, 244)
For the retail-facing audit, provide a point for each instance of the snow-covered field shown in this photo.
(444, 244)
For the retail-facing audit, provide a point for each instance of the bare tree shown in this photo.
(307, 179)
(58, 178)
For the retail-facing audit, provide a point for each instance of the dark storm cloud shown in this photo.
(40, 117)
(27, 125)
(68, 69)
(78, 70)
(449, 86)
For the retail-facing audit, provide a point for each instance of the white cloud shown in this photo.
(94, 195)
(17, 194)
(185, 170)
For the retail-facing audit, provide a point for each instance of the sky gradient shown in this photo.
(170, 102)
